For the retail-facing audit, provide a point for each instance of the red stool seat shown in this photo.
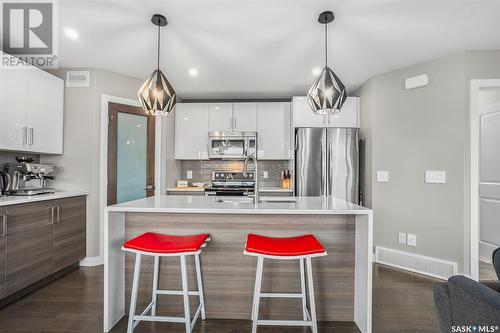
(301, 246)
(159, 243)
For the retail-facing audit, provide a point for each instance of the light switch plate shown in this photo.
(189, 174)
(435, 177)
(402, 238)
(412, 240)
(383, 176)
(266, 175)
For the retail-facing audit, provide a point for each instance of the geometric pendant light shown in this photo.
(327, 94)
(156, 95)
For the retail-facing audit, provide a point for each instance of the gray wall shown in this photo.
(79, 167)
(410, 131)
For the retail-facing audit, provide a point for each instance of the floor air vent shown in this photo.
(77, 79)
(437, 268)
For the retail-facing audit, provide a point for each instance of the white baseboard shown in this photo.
(92, 261)
(486, 251)
(433, 267)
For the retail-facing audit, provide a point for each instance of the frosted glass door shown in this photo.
(131, 151)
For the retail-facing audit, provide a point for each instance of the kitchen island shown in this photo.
(343, 279)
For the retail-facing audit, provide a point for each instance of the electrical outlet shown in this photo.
(383, 176)
(266, 175)
(402, 238)
(412, 240)
(189, 174)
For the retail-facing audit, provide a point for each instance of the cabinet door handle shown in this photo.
(31, 135)
(234, 120)
(25, 135)
(58, 214)
(4, 225)
(51, 214)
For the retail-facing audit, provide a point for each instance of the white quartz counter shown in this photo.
(14, 200)
(239, 205)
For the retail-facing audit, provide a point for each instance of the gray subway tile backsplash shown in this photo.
(202, 170)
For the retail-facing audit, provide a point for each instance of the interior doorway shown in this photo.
(131, 153)
(485, 175)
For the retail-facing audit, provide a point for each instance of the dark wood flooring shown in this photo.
(402, 303)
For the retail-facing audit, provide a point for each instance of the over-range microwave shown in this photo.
(231, 145)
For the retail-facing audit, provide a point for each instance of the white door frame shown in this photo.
(103, 179)
(475, 87)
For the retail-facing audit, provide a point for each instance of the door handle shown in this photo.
(149, 188)
(25, 135)
(31, 135)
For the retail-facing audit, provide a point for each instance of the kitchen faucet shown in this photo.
(256, 175)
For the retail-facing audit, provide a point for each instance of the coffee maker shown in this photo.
(27, 178)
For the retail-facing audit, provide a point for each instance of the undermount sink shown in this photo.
(263, 200)
(278, 200)
(234, 201)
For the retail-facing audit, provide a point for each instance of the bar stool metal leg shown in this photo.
(185, 293)
(256, 300)
(200, 285)
(133, 294)
(312, 303)
(154, 296)
(303, 289)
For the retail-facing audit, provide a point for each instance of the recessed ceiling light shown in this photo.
(71, 33)
(316, 71)
(193, 72)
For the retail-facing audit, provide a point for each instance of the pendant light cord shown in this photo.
(158, 59)
(326, 45)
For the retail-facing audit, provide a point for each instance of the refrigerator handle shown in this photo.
(324, 168)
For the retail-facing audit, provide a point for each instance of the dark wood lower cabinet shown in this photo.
(39, 240)
(69, 231)
(28, 248)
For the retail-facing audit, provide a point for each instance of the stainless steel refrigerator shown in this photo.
(327, 162)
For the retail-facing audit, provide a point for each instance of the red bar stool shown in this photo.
(158, 245)
(302, 248)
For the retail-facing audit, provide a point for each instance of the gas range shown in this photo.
(231, 183)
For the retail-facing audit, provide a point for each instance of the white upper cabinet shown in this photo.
(274, 131)
(303, 116)
(31, 113)
(229, 117)
(45, 112)
(221, 117)
(348, 115)
(245, 117)
(191, 131)
(13, 129)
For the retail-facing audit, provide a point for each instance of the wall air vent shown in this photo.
(77, 79)
(438, 268)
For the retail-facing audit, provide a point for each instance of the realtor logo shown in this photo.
(27, 28)
(28, 34)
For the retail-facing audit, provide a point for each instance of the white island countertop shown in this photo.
(240, 205)
(15, 200)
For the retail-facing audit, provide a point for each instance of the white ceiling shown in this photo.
(268, 48)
